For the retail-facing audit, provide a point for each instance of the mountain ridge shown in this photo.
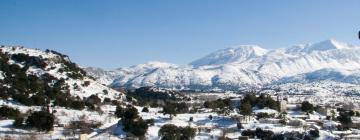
(245, 66)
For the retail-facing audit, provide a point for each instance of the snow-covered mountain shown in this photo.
(230, 55)
(250, 66)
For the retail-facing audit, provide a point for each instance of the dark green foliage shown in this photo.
(107, 100)
(19, 122)
(146, 96)
(29, 60)
(191, 119)
(145, 109)
(264, 115)
(173, 132)
(41, 120)
(264, 134)
(245, 108)
(137, 127)
(249, 133)
(38, 100)
(219, 103)
(290, 136)
(239, 125)
(93, 100)
(133, 123)
(9, 113)
(307, 107)
(250, 100)
(130, 113)
(259, 133)
(345, 119)
(168, 131)
(150, 122)
(265, 100)
(79, 105)
(175, 108)
(314, 133)
(83, 126)
(119, 112)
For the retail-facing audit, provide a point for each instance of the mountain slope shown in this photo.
(250, 67)
(35, 77)
(231, 55)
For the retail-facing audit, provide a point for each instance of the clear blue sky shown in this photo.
(110, 34)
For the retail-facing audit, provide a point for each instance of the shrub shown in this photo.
(18, 122)
(137, 127)
(150, 122)
(86, 83)
(175, 108)
(145, 109)
(170, 131)
(307, 107)
(8, 112)
(314, 133)
(41, 120)
(119, 112)
(83, 126)
(130, 113)
(107, 100)
(79, 105)
(132, 122)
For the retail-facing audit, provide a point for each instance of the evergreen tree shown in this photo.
(307, 107)
(245, 109)
(41, 120)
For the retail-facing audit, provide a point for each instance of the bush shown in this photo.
(8, 112)
(119, 112)
(130, 113)
(307, 107)
(245, 108)
(132, 122)
(314, 133)
(264, 115)
(137, 127)
(18, 122)
(78, 105)
(219, 103)
(150, 122)
(249, 133)
(170, 131)
(264, 100)
(41, 120)
(107, 100)
(83, 126)
(239, 125)
(86, 83)
(175, 108)
(145, 109)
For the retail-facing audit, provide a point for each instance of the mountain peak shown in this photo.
(230, 55)
(325, 45)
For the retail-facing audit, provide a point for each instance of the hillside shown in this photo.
(34, 77)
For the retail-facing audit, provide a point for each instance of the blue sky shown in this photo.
(116, 33)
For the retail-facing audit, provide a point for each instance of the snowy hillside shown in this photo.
(250, 66)
(59, 68)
